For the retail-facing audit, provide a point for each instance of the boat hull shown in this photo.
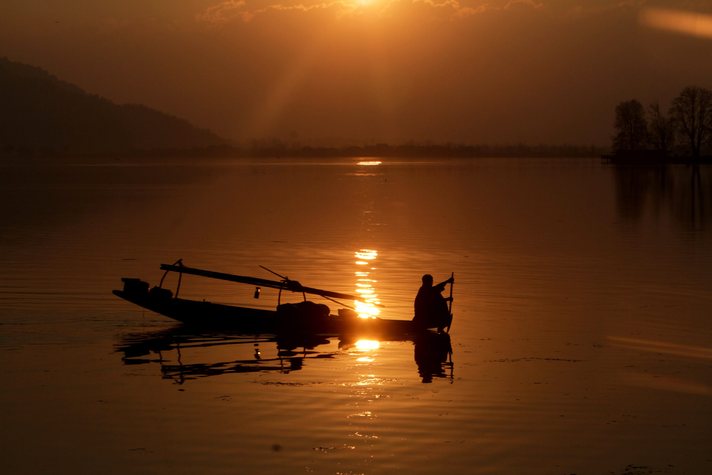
(214, 315)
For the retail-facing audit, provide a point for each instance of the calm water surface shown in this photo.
(582, 339)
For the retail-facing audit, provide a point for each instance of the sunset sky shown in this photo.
(355, 71)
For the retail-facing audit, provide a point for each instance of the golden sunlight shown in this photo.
(367, 345)
(367, 307)
(366, 254)
(677, 21)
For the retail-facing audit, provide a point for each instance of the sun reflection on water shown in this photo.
(367, 307)
(367, 345)
(367, 168)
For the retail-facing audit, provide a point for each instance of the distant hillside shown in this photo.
(42, 115)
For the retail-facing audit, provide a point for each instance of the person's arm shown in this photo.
(441, 286)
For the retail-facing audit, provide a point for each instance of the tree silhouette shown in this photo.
(692, 111)
(661, 129)
(631, 127)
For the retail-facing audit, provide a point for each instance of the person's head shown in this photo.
(428, 280)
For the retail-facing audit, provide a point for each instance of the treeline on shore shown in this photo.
(683, 132)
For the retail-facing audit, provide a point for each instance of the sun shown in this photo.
(364, 3)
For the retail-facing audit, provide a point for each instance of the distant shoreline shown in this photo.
(285, 151)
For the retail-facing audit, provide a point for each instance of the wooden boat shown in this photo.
(302, 317)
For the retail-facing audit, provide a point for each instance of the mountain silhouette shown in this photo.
(43, 115)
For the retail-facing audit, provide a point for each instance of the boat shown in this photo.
(287, 318)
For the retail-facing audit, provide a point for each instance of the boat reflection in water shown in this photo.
(184, 354)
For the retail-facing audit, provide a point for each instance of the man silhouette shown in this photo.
(430, 306)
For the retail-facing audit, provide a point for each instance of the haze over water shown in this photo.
(581, 338)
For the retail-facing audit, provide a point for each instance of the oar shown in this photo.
(449, 308)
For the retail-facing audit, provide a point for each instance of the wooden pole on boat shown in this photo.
(449, 308)
(291, 285)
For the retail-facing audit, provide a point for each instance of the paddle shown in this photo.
(449, 309)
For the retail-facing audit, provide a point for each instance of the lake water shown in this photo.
(582, 337)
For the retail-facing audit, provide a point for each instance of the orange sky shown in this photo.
(321, 72)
